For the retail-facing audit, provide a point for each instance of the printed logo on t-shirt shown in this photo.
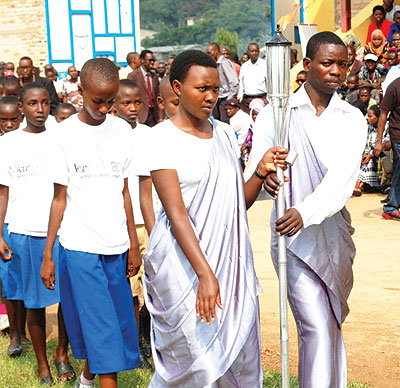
(102, 169)
(23, 170)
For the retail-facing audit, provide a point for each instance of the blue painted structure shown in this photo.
(109, 27)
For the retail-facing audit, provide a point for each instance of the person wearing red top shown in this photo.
(378, 12)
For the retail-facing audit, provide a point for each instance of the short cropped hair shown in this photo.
(128, 83)
(26, 59)
(33, 85)
(252, 44)
(215, 46)
(397, 12)
(131, 54)
(185, 60)
(9, 100)
(144, 53)
(65, 106)
(367, 88)
(98, 70)
(10, 81)
(324, 37)
(378, 8)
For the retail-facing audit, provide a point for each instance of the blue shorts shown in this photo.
(4, 264)
(24, 281)
(98, 310)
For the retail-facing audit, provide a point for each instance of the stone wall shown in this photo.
(23, 31)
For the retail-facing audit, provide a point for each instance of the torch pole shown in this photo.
(282, 266)
(278, 81)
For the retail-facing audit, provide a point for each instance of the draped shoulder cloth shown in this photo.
(188, 353)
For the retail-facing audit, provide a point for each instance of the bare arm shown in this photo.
(57, 209)
(134, 258)
(146, 202)
(274, 156)
(167, 185)
(5, 251)
(380, 129)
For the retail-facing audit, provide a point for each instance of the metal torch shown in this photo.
(278, 86)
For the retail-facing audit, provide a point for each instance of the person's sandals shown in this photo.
(65, 368)
(79, 384)
(144, 363)
(47, 381)
(16, 351)
(357, 192)
(25, 341)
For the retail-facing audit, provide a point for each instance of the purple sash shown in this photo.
(327, 248)
(186, 352)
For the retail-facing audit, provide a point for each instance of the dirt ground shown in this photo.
(372, 329)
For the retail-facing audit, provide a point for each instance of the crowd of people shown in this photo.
(114, 164)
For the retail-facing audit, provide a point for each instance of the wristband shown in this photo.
(258, 175)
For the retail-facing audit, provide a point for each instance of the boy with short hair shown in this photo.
(128, 105)
(24, 174)
(10, 115)
(167, 101)
(351, 92)
(11, 86)
(64, 111)
(99, 244)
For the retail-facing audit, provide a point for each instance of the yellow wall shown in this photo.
(321, 12)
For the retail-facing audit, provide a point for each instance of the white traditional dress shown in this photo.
(188, 353)
(321, 254)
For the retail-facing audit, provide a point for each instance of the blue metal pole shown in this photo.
(273, 25)
(302, 11)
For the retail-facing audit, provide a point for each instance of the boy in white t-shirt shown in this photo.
(24, 175)
(100, 247)
(10, 120)
(128, 105)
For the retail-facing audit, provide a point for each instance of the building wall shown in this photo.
(356, 7)
(23, 31)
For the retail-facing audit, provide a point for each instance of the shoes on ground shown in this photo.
(391, 216)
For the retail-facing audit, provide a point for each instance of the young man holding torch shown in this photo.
(320, 250)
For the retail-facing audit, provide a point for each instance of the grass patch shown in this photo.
(21, 372)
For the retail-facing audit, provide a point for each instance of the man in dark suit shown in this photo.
(149, 87)
(28, 76)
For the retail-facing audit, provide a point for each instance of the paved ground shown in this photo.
(372, 330)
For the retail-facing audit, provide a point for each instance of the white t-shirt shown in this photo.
(189, 155)
(93, 161)
(24, 168)
(240, 122)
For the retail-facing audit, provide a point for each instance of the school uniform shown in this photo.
(93, 161)
(24, 163)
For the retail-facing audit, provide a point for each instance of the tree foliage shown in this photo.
(228, 39)
(248, 19)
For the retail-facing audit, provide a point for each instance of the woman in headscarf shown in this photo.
(378, 46)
